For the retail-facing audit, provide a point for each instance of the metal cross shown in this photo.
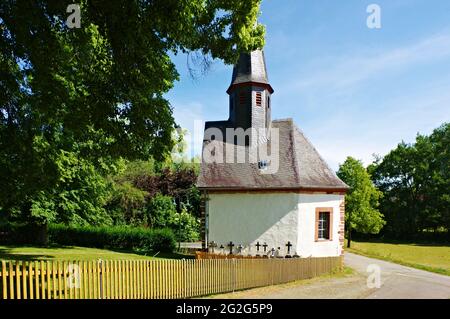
(257, 246)
(231, 245)
(289, 245)
(265, 247)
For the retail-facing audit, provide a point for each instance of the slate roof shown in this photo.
(251, 67)
(300, 166)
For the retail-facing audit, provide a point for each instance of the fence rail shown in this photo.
(154, 279)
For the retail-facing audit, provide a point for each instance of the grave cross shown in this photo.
(289, 245)
(221, 249)
(265, 247)
(231, 245)
(213, 245)
(257, 246)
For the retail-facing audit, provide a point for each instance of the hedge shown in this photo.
(115, 237)
(142, 240)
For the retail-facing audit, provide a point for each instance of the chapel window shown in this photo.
(323, 224)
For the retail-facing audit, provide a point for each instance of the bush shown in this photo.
(114, 237)
(161, 210)
(163, 214)
(185, 226)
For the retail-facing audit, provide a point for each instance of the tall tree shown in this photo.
(361, 200)
(96, 93)
(415, 180)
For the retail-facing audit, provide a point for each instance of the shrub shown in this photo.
(163, 214)
(161, 210)
(114, 237)
(185, 226)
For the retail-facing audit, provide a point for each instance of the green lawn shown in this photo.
(74, 253)
(435, 258)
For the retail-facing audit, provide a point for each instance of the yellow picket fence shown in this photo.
(154, 279)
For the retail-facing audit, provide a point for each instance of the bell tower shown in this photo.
(250, 92)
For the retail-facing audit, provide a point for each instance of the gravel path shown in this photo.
(396, 281)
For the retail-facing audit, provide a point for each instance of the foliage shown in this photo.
(185, 226)
(115, 237)
(362, 199)
(415, 180)
(77, 197)
(162, 213)
(127, 205)
(73, 101)
(177, 182)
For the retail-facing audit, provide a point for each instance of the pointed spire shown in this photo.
(251, 68)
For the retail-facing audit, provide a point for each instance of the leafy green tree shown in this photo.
(415, 180)
(97, 92)
(361, 200)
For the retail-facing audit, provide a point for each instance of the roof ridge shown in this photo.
(287, 119)
(294, 153)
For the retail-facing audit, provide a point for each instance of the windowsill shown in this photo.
(323, 240)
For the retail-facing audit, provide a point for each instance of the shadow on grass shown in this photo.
(9, 252)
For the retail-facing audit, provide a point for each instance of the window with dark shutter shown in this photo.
(258, 98)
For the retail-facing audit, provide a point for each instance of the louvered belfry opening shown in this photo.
(258, 98)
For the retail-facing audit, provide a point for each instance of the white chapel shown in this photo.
(266, 189)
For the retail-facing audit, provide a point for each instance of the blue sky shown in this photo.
(352, 90)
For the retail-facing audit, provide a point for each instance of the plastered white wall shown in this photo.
(307, 246)
(246, 218)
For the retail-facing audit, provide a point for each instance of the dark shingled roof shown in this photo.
(251, 67)
(300, 166)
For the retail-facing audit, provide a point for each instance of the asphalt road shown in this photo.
(396, 281)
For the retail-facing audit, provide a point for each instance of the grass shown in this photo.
(75, 253)
(434, 258)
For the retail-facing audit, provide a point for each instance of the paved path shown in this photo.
(396, 282)
(399, 281)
